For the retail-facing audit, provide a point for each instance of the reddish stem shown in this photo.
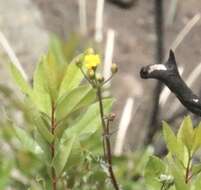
(52, 146)
(106, 144)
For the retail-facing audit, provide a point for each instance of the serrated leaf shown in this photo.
(20, 80)
(74, 100)
(89, 122)
(154, 168)
(186, 133)
(61, 158)
(71, 79)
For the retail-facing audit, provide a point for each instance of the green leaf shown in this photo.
(39, 79)
(42, 102)
(70, 46)
(28, 142)
(196, 169)
(41, 96)
(76, 157)
(71, 80)
(174, 145)
(55, 47)
(179, 178)
(74, 100)
(42, 128)
(46, 156)
(170, 138)
(197, 139)
(186, 133)
(197, 183)
(20, 80)
(5, 170)
(154, 168)
(53, 74)
(89, 122)
(64, 150)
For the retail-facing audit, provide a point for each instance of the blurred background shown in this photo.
(131, 34)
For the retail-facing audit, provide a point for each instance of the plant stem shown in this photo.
(106, 140)
(188, 170)
(52, 146)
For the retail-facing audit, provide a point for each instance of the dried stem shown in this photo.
(106, 138)
(52, 146)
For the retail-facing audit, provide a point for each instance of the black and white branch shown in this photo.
(168, 74)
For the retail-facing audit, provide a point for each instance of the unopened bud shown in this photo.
(89, 51)
(99, 78)
(91, 74)
(111, 116)
(114, 68)
(78, 60)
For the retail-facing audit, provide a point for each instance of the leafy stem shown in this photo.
(106, 140)
(97, 81)
(52, 146)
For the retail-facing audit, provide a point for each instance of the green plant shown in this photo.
(90, 60)
(61, 113)
(179, 169)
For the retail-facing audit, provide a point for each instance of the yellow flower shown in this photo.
(91, 61)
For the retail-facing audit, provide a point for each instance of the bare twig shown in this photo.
(108, 53)
(159, 28)
(185, 31)
(82, 16)
(123, 126)
(99, 21)
(172, 11)
(11, 54)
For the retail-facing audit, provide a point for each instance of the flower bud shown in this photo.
(111, 116)
(78, 60)
(91, 73)
(100, 78)
(89, 51)
(114, 68)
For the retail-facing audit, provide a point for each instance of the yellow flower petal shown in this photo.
(92, 60)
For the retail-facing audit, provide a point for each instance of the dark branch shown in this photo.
(125, 4)
(168, 74)
(154, 125)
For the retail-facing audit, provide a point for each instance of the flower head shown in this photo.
(91, 61)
